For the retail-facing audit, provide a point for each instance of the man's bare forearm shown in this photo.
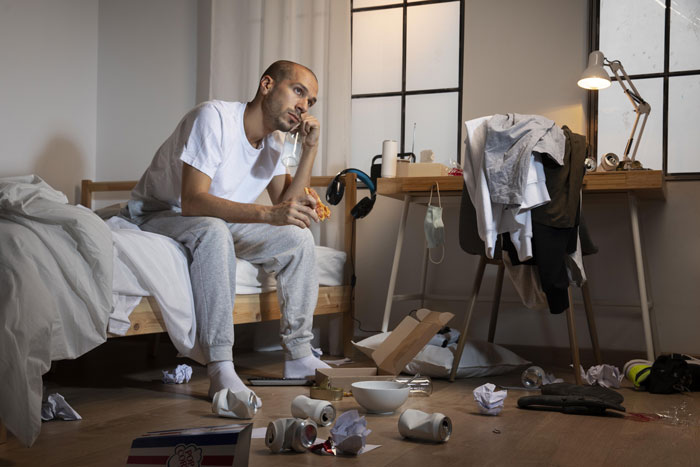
(302, 177)
(205, 204)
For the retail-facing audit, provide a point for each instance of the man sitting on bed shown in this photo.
(200, 190)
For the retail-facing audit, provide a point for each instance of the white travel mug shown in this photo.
(290, 434)
(390, 149)
(425, 426)
(291, 150)
(320, 411)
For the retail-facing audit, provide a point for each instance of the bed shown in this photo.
(146, 315)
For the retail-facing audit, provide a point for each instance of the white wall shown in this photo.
(146, 80)
(48, 90)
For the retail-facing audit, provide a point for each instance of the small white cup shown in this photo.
(291, 150)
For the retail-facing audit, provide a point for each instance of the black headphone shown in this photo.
(336, 188)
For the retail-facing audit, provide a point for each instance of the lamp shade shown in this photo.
(594, 77)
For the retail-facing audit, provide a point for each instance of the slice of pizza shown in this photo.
(322, 210)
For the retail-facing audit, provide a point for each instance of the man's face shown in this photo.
(289, 99)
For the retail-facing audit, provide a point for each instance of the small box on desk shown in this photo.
(392, 355)
(421, 169)
(227, 445)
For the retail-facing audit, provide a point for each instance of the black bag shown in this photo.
(672, 373)
(573, 399)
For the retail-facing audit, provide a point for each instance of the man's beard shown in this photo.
(276, 117)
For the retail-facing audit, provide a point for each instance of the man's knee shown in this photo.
(212, 233)
(299, 238)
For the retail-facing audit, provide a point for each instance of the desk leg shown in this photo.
(641, 276)
(424, 276)
(395, 265)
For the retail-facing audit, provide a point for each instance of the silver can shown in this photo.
(294, 434)
(415, 424)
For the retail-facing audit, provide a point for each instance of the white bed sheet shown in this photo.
(150, 264)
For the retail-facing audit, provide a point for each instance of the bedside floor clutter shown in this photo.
(478, 358)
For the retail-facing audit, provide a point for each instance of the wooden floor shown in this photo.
(119, 395)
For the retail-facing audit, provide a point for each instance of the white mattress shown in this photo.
(251, 279)
(150, 264)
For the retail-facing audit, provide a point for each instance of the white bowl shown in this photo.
(380, 396)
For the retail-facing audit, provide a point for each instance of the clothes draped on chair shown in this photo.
(542, 230)
(523, 179)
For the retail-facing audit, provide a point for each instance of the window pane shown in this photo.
(685, 35)
(435, 116)
(366, 3)
(432, 46)
(616, 117)
(376, 51)
(683, 117)
(632, 31)
(374, 119)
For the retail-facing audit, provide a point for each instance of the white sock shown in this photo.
(304, 367)
(223, 375)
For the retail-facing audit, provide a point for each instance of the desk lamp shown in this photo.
(595, 77)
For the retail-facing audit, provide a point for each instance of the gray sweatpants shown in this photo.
(213, 246)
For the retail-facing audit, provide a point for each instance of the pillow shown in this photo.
(478, 358)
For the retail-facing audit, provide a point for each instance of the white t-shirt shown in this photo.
(211, 138)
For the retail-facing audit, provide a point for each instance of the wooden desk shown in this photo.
(636, 183)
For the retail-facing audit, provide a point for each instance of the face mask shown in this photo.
(433, 226)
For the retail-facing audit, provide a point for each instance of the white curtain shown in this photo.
(239, 39)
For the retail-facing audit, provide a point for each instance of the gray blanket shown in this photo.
(55, 292)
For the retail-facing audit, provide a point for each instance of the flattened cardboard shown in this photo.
(409, 337)
(392, 355)
(344, 377)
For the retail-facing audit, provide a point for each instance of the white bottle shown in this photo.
(390, 149)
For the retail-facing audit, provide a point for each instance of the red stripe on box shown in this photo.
(217, 460)
(153, 460)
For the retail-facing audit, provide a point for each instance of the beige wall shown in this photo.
(90, 89)
(48, 91)
(67, 107)
(525, 57)
(146, 80)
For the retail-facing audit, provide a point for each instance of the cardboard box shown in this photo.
(227, 445)
(421, 169)
(404, 342)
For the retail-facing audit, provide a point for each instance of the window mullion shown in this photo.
(403, 76)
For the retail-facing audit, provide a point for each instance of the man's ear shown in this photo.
(266, 84)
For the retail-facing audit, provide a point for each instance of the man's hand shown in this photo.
(299, 211)
(309, 129)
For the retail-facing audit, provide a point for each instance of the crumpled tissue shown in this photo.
(549, 378)
(57, 407)
(350, 432)
(489, 401)
(605, 375)
(181, 374)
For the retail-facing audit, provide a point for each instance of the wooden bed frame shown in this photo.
(251, 308)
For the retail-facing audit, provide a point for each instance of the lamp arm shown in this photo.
(641, 107)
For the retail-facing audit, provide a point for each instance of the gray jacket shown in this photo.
(510, 140)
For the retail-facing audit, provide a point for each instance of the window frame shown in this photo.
(403, 93)
(666, 75)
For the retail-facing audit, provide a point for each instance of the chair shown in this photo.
(471, 243)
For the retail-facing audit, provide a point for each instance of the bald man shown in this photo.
(200, 189)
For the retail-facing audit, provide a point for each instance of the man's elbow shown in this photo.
(188, 206)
